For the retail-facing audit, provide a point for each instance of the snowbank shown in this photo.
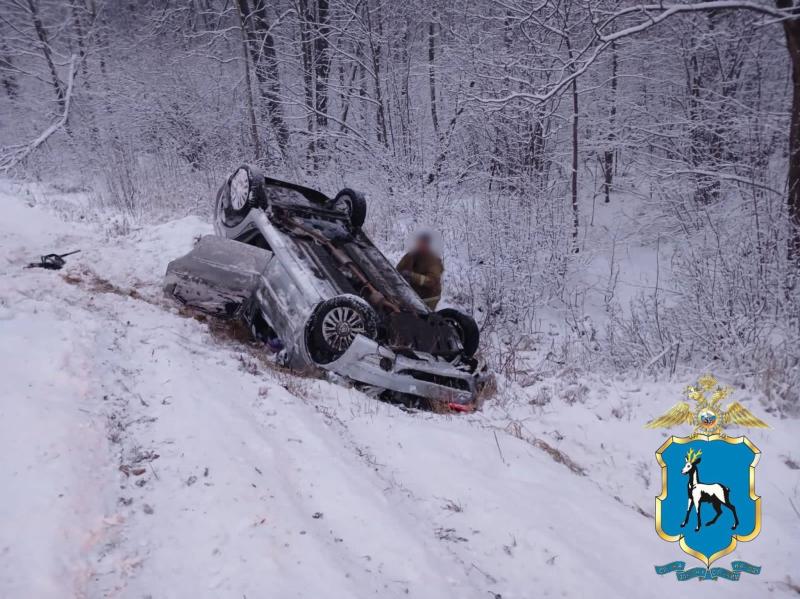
(145, 456)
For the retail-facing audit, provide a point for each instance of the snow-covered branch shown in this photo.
(13, 155)
(653, 14)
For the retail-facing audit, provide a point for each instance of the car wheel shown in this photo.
(334, 324)
(465, 326)
(243, 191)
(353, 204)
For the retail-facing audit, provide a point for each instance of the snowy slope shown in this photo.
(143, 455)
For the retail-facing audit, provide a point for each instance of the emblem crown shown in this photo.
(707, 417)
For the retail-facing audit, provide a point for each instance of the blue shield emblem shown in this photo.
(708, 501)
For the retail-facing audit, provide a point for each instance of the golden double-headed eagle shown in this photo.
(708, 417)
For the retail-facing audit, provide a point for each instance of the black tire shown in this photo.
(334, 325)
(465, 326)
(353, 204)
(243, 191)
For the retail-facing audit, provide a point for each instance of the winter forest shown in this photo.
(518, 130)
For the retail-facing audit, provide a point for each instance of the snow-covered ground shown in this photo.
(145, 455)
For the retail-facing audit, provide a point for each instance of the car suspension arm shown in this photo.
(366, 289)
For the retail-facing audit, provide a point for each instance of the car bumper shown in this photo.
(368, 362)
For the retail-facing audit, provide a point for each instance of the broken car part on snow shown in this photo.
(52, 261)
(295, 265)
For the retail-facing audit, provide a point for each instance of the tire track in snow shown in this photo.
(308, 466)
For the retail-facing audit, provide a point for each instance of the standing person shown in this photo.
(422, 268)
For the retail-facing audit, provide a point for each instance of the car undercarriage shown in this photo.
(296, 266)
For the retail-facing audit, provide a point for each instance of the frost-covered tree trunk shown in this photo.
(791, 28)
(251, 110)
(574, 167)
(608, 155)
(7, 74)
(77, 22)
(568, 42)
(432, 74)
(374, 40)
(268, 74)
(322, 62)
(260, 47)
(47, 53)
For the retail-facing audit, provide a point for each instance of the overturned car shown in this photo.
(296, 267)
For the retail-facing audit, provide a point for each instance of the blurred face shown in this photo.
(423, 243)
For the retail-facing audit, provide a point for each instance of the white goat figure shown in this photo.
(699, 493)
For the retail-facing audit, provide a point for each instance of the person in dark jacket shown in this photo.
(422, 268)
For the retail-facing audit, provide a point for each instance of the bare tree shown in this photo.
(432, 72)
(608, 155)
(243, 15)
(47, 53)
(7, 75)
(791, 27)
